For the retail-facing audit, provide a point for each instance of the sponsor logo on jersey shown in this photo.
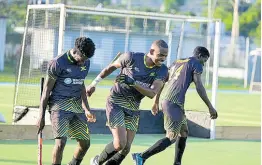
(74, 81)
(143, 84)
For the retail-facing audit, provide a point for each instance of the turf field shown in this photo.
(198, 152)
(235, 109)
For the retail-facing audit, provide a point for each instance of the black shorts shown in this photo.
(121, 117)
(69, 124)
(174, 117)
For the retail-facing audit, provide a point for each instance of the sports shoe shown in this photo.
(94, 161)
(138, 160)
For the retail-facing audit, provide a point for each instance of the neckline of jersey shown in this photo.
(70, 58)
(146, 64)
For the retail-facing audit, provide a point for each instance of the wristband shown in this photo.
(96, 81)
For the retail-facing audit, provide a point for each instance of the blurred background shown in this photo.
(238, 97)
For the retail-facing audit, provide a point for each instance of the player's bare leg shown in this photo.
(181, 144)
(119, 143)
(120, 156)
(58, 150)
(159, 146)
(80, 151)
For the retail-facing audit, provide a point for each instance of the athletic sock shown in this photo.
(116, 159)
(180, 148)
(159, 146)
(107, 153)
(75, 161)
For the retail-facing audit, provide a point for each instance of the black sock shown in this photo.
(56, 164)
(116, 159)
(107, 153)
(180, 148)
(159, 146)
(75, 161)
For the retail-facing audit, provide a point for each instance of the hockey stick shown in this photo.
(40, 139)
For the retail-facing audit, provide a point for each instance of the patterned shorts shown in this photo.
(120, 117)
(69, 124)
(174, 117)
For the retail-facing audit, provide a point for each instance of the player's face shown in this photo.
(81, 59)
(203, 60)
(159, 55)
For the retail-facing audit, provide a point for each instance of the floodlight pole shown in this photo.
(215, 76)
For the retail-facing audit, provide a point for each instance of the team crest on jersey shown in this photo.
(137, 69)
(152, 74)
(69, 70)
(83, 68)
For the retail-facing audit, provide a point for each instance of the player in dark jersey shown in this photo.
(141, 75)
(64, 93)
(181, 74)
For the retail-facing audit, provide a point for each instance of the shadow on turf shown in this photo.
(17, 161)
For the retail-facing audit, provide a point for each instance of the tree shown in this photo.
(15, 13)
(250, 22)
(239, 18)
(172, 6)
(234, 31)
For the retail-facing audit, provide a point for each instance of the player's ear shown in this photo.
(151, 51)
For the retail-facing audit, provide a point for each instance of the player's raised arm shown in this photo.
(202, 93)
(52, 73)
(120, 61)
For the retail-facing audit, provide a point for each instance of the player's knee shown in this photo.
(84, 144)
(126, 150)
(119, 144)
(184, 133)
(60, 143)
(171, 136)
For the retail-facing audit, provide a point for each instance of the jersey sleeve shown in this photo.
(125, 59)
(197, 68)
(53, 70)
(162, 74)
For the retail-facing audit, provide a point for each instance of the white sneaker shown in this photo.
(94, 160)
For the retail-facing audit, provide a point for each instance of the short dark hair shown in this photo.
(201, 51)
(161, 43)
(85, 46)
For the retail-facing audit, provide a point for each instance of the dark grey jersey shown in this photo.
(133, 65)
(69, 78)
(180, 77)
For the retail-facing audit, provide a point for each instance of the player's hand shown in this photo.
(155, 109)
(40, 124)
(90, 117)
(213, 113)
(122, 78)
(90, 90)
